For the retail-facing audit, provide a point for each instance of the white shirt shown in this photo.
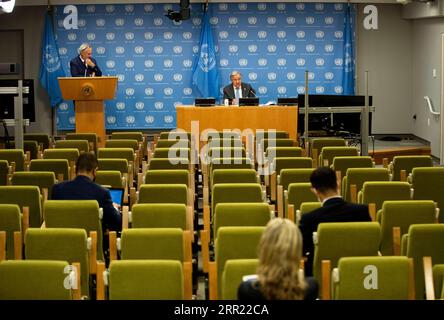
(332, 197)
(238, 92)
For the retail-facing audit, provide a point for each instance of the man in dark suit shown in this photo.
(84, 65)
(237, 89)
(83, 187)
(334, 209)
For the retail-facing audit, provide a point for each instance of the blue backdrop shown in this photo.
(272, 44)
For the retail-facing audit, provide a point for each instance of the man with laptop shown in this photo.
(83, 187)
(237, 89)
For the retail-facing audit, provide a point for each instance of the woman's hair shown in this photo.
(280, 251)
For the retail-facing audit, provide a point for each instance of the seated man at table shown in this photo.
(237, 89)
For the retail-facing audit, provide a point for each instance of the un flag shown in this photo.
(205, 71)
(51, 66)
(348, 74)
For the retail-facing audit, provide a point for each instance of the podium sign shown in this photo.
(88, 94)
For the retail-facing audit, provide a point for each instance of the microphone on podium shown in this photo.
(251, 92)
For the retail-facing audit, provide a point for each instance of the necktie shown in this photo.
(237, 93)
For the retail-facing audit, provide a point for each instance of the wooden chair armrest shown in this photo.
(372, 211)
(187, 280)
(396, 241)
(93, 252)
(280, 201)
(403, 175)
(326, 278)
(100, 289)
(133, 197)
(25, 220)
(273, 183)
(125, 217)
(18, 245)
(205, 243)
(353, 193)
(190, 220)
(291, 213)
(2, 245)
(206, 196)
(112, 245)
(206, 218)
(212, 280)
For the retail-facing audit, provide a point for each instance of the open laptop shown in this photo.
(248, 101)
(117, 195)
(204, 102)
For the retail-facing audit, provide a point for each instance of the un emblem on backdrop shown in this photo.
(100, 50)
(282, 90)
(310, 48)
(167, 7)
(158, 105)
(129, 8)
(291, 76)
(72, 120)
(177, 77)
(280, 6)
(262, 62)
(139, 77)
(187, 35)
(272, 76)
(243, 62)
(187, 63)
(72, 36)
(311, 76)
(130, 119)
(149, 63)
(129, 92)
(223, 62)
(168, 91)
(138, 50)
(339, 62)
(138, 22)
(252, 48)
(262, 34)
(232, 20)
(252, 20)
(281, 34)
(300, 34)
(214, 20)
(223, 35)
(291, 48)
(319, 62)
(252, 76)
(149, 91)
(100, 23)
(168, 35)
(110, 8)
(158, 22)
(338, 6)
(158, 49)
(148, 8)
(148, 35)
(91, 8)
(309, 20)
(320, 89)
(81, 23)
(111, 120)
(223, 6)
(329, 48)
(119, 22)
(121, 77)
(339, 90)
(319, 34)
(329, 76)
(91, 36)
(243, 34)
(232, 48)
(319, 6)
(168, 119)
(196, 21)
(263, 90)
(282, 62)
(149, 119)
(291, 20)
(110, 36)
(63, 106)
(158, 77)
(262, 6)
(178, 49)
(110, 64)
(140, 105)
(168, 63)
(187, 91)
(242, 6)
(329, 20)
(300, 6)
(339, 34)
(120, 50)
(271, 20)
(300, 90)
(129, 36)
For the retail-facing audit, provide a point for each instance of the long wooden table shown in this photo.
(243, 118)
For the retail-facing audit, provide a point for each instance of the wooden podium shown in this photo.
(88, 94)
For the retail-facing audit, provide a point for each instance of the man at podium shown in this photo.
(84, 65)
(237, 89)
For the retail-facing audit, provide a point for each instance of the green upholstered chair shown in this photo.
(233, 273)
(34, 280)
(233, 176)
(355, 178)
(91, 137)
(114, 164)
(159, 215)
(223, 152)
(318, 143)
(406, 164)
(373, 278)
(172, 153)
(231, 243)
(438, 279)
(232, 142)
(70, 154)
(10, 222)
(428, 184)
(24, 196)
(333, 241)
(4, 171)
(43, 139)
(174, 135)
(146, 280)
(30, 146)
(122, 143)
(379, 191)
(296, 194)
(167, 176)
(84, 214)
(111, 178)
(278, 142)
(60, 167)
(329, 153)
(127, 136)
(163, 193)
(116, 153)
(401, 214)
(60, 244)
(279, 152)
(306, 207)
(42, 179)
(182, 143)
(170, 164)
(16, 156)
(81, 145)
(271, 134)
(341, 164)
(424, 240)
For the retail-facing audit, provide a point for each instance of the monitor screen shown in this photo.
(7, 100)
(204, 102)
(116, 195)
(287, 101)
(248, 101)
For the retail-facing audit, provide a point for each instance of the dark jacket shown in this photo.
(82, 188)
(78, 68)
(247, 91)
(250, 290)
(333, 210)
